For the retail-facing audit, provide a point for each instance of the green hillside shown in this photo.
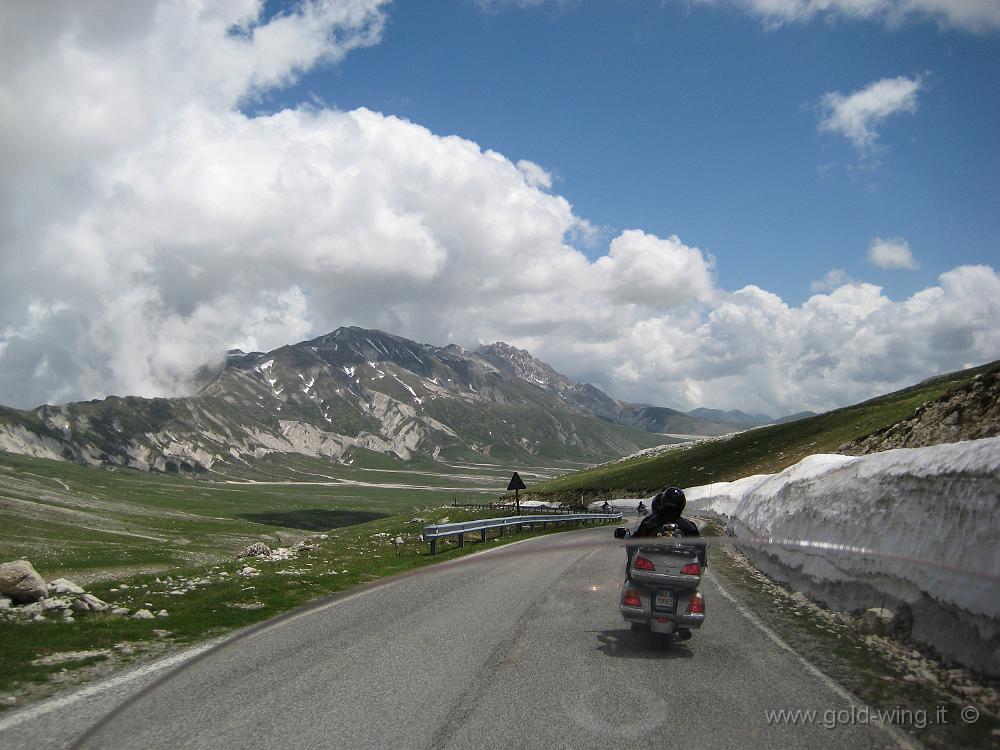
(759, 451)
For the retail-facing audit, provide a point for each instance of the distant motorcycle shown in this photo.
(660, 593)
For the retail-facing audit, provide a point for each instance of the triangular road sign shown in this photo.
(516, 483)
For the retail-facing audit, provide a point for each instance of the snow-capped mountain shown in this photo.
(351, 390)
(594, 401)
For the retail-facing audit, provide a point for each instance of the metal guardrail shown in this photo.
(510, 506)
(433, 532)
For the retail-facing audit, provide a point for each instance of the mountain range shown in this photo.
(352, 392)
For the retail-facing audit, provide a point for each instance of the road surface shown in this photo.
(501, 651)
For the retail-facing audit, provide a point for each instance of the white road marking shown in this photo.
(901, 738)
(56, 703)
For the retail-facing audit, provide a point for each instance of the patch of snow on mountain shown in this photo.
(918, 527)
(412, 392)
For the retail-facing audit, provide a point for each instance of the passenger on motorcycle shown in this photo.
(667, 507)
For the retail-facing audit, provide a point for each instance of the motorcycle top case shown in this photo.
(667, 560)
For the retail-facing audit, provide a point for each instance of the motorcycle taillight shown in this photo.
(641, 563)
(697, 605)
(691, 569)
(631, 598)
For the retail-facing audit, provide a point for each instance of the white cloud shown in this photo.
(169, 226)
(970, 15)
(753, 351)
(834, 279)
(893, 253)
(856, 116)
(494, 6)
(534, 175)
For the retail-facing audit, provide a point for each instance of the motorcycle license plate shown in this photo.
(665, 600)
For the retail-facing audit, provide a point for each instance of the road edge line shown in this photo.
(56, 702)
(902, 739)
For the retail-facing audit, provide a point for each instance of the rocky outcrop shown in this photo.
(24, 595)
(969, 412)
(64, 586)
(21, 582)
(257, 549)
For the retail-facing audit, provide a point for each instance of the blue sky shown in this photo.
(702, 122)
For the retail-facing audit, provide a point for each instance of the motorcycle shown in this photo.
(660, 593)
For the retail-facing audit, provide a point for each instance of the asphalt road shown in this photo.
(505, 651)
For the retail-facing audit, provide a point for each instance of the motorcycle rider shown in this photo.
(641, 508)
(667, 507)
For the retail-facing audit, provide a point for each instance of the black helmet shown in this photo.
(670, 502)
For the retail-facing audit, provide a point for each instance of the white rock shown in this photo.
(64, 586)
(21, 582)
(876, 621)
(5, 602)
(123, 586)
(257, 549)
(55, 604)
(324, 536)
(162, 613)
(143, 614)
(248, 571)
(93, 603)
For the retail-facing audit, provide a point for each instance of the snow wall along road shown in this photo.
(929, 516)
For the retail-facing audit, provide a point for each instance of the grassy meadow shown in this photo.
(763, 450)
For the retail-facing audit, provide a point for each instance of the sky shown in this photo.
(771, 205)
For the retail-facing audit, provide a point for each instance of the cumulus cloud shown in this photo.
(150, 224)
(894, 254)
(979, 16)
(833, 279)
(969, 15)
(856, 116)
(753, 350)
(534, 175)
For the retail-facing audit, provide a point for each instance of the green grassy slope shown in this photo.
(221, 602)
(76, 520)
(759, 451)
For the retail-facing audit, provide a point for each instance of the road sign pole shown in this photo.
(516, 484)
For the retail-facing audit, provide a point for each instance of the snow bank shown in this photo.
(537, 504)
(926, 520)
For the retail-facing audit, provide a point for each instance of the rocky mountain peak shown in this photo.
(523, 365)
(352, 389)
